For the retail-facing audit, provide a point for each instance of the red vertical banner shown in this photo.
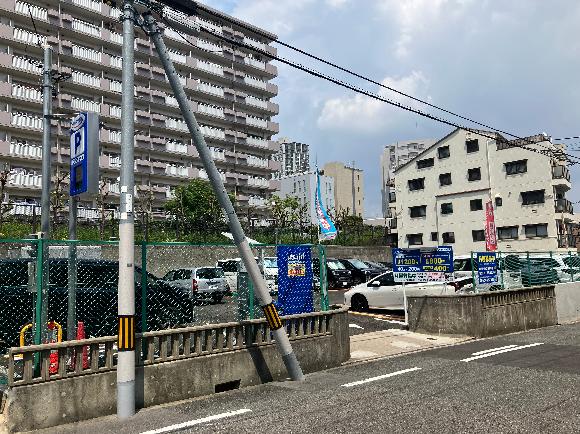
(490, 234)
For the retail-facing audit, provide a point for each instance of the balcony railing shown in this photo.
(26, 120)
(211, 110)
(22, 178)
(117, 38)
(26, 92)
(116, 86)
(257, 161)
(84, 27)
(209, 46)
(89, 4)
(85, 105)
(116, 62)
(176, 147)
(218, 153)
(216, 133)
(255, 63)
(257, 102)
(27, 64)
(177, 56)
(82, 78)
(87, 53)
(568, 240)
(255, 141)
(563, 206)
(560, 172)
(211, 88)
(256, 82)
(27, 8)
(176, 124)
(25, 150)
(214, 68)
(257, 122)
(176, 170)
(28, 37)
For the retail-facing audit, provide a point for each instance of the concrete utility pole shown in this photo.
(280, 336)
(126, 294)
(46, 181)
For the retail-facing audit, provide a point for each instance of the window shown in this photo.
(475, 204)
(447, 208)
(498, 201)
(434, 236)
(513, 167)
(443, 152)
(415, 239)
(445, 179)
(384, 280)
(474, 174)
(427, 162)
(418, 211)
(416, 184)
(471, 145)
(478, 235)
(449, 237)
(532, 197)
(507, 233)
(540, 230)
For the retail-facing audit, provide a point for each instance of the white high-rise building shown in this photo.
(294, 158)
(303, 186)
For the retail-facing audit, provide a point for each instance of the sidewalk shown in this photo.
(393, 342)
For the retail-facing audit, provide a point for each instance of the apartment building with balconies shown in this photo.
(440, 195)
(229, 89)
(294, 158)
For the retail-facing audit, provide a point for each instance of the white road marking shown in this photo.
(493, 350)
(380, 377)
(355, 326)
(392, 321)
(191, 423)
(507, 350)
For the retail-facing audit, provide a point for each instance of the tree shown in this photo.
(196, 208)
(58, 193)
(285, 211)
(145, 198)
(5, 207)
(101, 201)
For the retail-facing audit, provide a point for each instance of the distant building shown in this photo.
(348, 187)
(441, 195)
(303, 186)
(393, 156)
(294, 158)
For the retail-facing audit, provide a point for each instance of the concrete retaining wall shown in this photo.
(57, 402)
(366, 253)
(484, 314)
(568, 302)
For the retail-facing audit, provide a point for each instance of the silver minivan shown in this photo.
(204, 283)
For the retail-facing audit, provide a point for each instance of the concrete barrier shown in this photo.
(483, 314)
(180, 364)
(568, 302)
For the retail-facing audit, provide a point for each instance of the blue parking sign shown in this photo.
(486, 267)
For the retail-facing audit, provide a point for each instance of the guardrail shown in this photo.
(50, 362)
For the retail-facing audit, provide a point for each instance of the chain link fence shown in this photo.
(520, 269)
(53, 290)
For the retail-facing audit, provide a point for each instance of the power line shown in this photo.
(34, 26)
(568, 138)
(546, 151)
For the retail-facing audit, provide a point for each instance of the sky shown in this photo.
(514, 65)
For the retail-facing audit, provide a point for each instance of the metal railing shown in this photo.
(564, 206)
(97, 355)
(560, 172)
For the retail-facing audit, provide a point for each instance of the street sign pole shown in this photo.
(274, 322)
(71, 320)
(126, 293)
(46, 181)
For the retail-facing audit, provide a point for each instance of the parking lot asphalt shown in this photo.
(525, 382)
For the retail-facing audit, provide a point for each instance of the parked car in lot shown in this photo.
(377, 266)
(383, 292)
(360, 271)
(231, 268)
(270, 268)
(201, 283)
(337, 275)
(96, 298)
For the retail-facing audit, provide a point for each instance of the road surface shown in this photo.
(527, 382)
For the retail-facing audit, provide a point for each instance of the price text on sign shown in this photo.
(486, 264)
(427, 266)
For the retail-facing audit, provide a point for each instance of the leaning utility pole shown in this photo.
(46, 181)
(126, 293)
(240, 239)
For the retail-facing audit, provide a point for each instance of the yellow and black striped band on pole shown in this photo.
(274, 321)
(126, 339)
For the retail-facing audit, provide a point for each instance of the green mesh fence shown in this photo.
(73, 286)
(525, 269)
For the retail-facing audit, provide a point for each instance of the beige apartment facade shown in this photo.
(229, 89)
(441, 195)
(348, 187)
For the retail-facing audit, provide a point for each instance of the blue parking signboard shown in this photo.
(295, 280)
(486, 267)
(416, 265)
(84, 154)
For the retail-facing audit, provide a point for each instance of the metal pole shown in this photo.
(46, 180)
(126, 294)
(280, 336)
(71, 320)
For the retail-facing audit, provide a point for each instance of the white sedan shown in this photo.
(384, 293)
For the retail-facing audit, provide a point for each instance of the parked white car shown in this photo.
(233, 266)
(383, 292)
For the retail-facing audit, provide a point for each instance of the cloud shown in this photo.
(364, 114)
